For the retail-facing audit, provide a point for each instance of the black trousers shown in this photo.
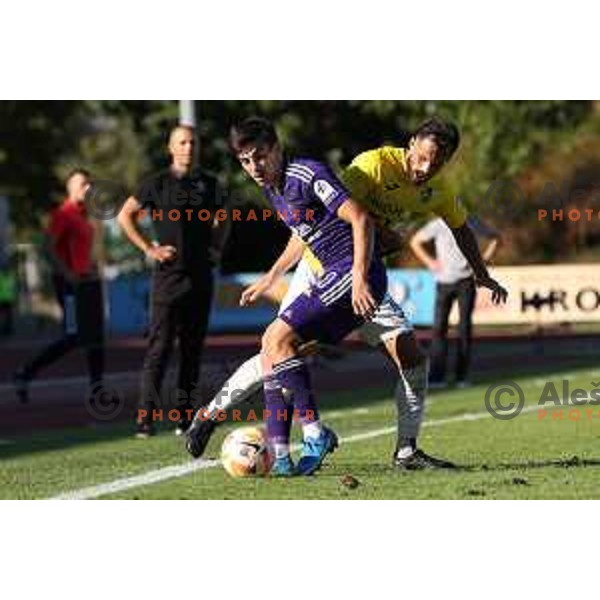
(83, 326)
(462, 292)
(184, 319)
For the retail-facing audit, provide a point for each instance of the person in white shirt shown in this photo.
(454, 283)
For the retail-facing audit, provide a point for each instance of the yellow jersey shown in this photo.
(378, 180)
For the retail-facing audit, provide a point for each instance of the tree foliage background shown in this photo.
(551, 149)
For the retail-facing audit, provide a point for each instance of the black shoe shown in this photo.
(143, 431)
(418, 460)
(21, 383)
(198, 437)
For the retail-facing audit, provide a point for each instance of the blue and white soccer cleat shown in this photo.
(283, 467)
(314, 451)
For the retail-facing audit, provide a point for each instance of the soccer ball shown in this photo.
(246, 452)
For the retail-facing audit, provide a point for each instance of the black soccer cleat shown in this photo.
(419, 461)
(198, 437)
(21, 383)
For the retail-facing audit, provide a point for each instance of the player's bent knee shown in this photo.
(278, 342)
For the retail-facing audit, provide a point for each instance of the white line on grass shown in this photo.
(336, 414)
(119, 485)
(174, 471)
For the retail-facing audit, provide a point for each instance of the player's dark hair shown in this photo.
(77, 171)
(252, 131)
(445, 134)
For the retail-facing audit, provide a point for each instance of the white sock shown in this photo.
(405, 451)
(312, 429)
(241, 385)
(410, 400)
(281, 450)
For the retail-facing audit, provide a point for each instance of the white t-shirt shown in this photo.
(454, 265)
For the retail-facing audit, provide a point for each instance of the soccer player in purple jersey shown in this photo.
(317, 208)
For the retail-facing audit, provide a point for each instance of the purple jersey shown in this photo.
(308, 205)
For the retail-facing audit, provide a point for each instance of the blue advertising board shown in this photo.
(414, 290)
(128, 300)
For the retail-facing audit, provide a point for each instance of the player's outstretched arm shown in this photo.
(288, 258)
(468, 246)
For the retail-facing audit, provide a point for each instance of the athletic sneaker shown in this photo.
(283, 467)
(143, 431)
(198, 437)
(314, 451)
(21, 383)
(418, 460)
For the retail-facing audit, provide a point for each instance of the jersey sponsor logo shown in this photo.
(324, 191)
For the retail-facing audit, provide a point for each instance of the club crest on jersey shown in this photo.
(302, 230)
(426, 194)
(324, 191)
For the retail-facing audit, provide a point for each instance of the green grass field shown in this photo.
(521, 458)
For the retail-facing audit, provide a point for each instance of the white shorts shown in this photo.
(388, 321)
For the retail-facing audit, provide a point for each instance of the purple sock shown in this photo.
(279, 417)
(293, 377)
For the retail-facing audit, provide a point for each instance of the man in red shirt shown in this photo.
(70, 239)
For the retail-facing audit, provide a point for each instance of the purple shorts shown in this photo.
(324, 312)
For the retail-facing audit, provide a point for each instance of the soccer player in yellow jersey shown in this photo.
(393, 183)
(394, 193)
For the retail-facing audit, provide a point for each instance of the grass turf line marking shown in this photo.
(175, 471)
(127, 483)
